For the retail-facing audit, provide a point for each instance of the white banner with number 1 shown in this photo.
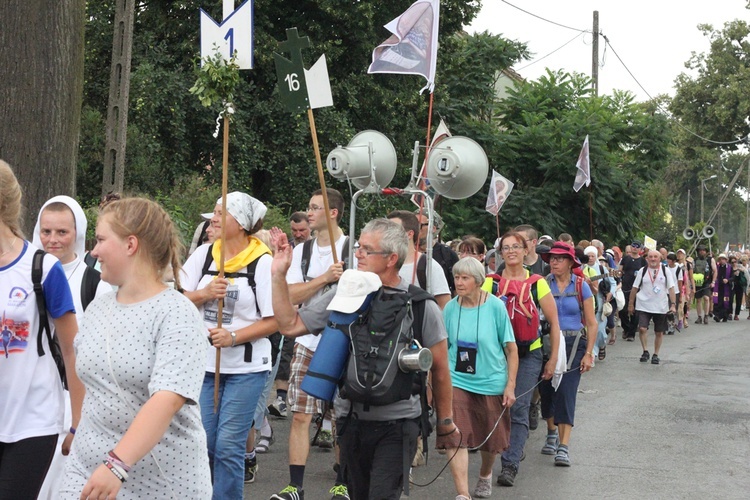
(235, 33)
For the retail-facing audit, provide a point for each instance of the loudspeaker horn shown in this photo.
(708, 231)
(457, 167)
(353, 161)
(688, 233)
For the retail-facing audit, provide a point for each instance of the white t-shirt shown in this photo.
(31, 393)
(653, 290)
(239, 311)
(438, 283)
(125, 354)
(321, 258)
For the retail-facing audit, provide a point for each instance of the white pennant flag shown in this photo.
(500, 189)
(583, 174)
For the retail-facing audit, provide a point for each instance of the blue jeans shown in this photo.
(261, 409)
(529, 368)
(227, 429)
(601, 333)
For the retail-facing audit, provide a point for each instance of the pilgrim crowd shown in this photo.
(137, 368)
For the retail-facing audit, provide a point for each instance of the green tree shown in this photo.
(542, 125)
(170, 134)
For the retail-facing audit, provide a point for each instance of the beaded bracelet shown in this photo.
(117, 471)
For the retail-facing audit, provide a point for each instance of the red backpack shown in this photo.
(524, 315)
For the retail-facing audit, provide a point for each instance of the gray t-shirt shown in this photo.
(158, 344)
(315, 318)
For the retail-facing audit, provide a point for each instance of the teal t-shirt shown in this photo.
(489, 327)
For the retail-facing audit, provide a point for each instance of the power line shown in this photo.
(545, 56)
(546, 20)
(677, 122)
(608, 44)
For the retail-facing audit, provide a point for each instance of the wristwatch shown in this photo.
(445, 421)
(234, 338)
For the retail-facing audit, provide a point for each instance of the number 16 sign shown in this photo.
(235, 33)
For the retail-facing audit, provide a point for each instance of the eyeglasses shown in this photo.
(314, 208)
(557, 258)
(366, 252)
(514, 248)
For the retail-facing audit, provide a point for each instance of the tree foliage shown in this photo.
(270, 155)
(542, 126)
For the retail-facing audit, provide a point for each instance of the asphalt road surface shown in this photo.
(679, 430)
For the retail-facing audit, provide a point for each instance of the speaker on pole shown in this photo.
(353, 161)
(457, 167)
(708, 232)
(688, 233)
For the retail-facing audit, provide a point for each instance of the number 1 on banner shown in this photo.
(230, 36)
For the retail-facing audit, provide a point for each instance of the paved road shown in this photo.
(680, 430)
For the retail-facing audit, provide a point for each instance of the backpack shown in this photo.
(249, 275)
(523, 312)
(702, 271)
(578, 293)
(89, 259)
(89, 284)
(41, 305)
(392, 323)
(307, 252)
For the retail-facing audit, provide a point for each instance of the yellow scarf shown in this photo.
(254, 249)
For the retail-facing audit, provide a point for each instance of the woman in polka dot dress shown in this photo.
(140, 355)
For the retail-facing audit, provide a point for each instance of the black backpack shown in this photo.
(307, 252)
(249, 275)
(390, 324)
(37, 269)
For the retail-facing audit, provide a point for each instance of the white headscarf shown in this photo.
(80, 220)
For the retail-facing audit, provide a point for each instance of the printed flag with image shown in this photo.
(412, 49)
(500, 189)
(583, 174)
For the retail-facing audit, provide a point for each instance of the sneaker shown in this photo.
(736, 317)
(483, 488)
(251, 469)
(291, 492)
(644, 356)
(705, 320)
(325, 440)
(550, 446)
(699, 321)
(534, 409)
(278, 407)
(508, 475)
(339, 492)
(562, 458)
(679, 326)
(655, 359)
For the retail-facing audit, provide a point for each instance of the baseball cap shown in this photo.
(353, 288)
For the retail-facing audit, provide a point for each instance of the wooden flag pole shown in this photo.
(497, 224)
(591, 213)
(322, 179)
(428, 241)
(220, 314)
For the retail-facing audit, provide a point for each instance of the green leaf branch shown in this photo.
(216, 80)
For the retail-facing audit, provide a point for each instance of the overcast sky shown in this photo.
(654, 38)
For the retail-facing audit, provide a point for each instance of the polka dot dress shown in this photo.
(155, 345)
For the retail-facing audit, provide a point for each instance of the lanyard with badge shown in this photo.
(655, 288)
(466, 352)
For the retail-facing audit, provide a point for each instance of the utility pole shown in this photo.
(595, 55)
(113, 177)
(687, 222)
